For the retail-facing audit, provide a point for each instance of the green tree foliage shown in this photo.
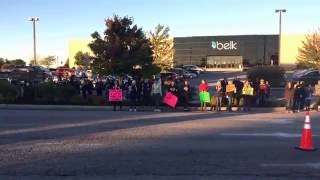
(122, 47)
(15, 62)
(162, 47)
(82, 59)
(48, 61)
(18, 62)
(309, 54)
(7, 66)
(2, 61)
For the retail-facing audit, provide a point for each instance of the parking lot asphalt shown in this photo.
(40, 144)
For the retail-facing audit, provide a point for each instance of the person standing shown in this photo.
(203, 91)
(262, 91)
(299, 96)
(133, 95)
(115, 103)
(185, 93)
(219, 95)
(309, 93)
(238, 94)
(289, 96)
(156, 93)
(99, 87)
(230, 91)
(173, 89)
(247, 94)
(317, 94)
(146, 91)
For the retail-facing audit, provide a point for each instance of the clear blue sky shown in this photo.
(62, 20)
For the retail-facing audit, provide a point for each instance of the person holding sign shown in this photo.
(230, 91)
(116, 95)
(204, 95)
(174, 91)
(247, 93)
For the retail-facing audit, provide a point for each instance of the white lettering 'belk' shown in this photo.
(231, 45)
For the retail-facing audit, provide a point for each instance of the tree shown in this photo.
(2, 61)
(82, 59)
(309, 54)
(7, 66)
(17, 62)
(48, 61)
(162, 47)
(122, 47)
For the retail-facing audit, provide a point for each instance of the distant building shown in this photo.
(224, 52)
(76, 46)
(235, 51)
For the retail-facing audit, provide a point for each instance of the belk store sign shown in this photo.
(230, 45)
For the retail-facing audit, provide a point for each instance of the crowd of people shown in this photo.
(299, 95)
(232, 92)
(136, 91)
(150, 92)
(241, 95)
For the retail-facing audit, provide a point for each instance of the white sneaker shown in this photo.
(130, 110)
(135, 110)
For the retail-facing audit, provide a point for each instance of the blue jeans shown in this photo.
(230, 100)
(219, 101)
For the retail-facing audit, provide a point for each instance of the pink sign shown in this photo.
(170, 99)
(115, 95)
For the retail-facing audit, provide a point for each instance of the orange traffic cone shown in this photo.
(306, 139)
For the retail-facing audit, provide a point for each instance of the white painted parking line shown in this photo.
(278, 134)
(306, 165)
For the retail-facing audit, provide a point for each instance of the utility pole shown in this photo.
(34, 19)
(280, 11)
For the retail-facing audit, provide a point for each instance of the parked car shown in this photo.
(27, 74)
(184, 73)
(168, 75)
(309, 77)
(193, 68)
(61, 71)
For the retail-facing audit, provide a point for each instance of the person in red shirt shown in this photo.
(262, 91)
(203, 88)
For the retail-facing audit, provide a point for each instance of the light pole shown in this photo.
(280, 11)
(34, 19)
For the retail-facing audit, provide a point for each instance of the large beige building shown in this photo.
(290, 44)
(76, 46)
(232, 51)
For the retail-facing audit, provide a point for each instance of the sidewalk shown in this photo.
(125, 108)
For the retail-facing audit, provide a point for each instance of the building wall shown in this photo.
(290, 44)
(194, 50)
(255, 49)
(76, 46)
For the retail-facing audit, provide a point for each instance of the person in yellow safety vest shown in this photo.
(247, 93)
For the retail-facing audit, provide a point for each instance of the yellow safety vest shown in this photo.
(247, 91)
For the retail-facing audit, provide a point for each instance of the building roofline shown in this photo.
(244, 35)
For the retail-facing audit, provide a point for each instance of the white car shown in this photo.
(193, 68)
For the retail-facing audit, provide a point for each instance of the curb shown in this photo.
(110, 108)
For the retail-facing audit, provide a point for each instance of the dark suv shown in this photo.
(168, 75)
(309, 77)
